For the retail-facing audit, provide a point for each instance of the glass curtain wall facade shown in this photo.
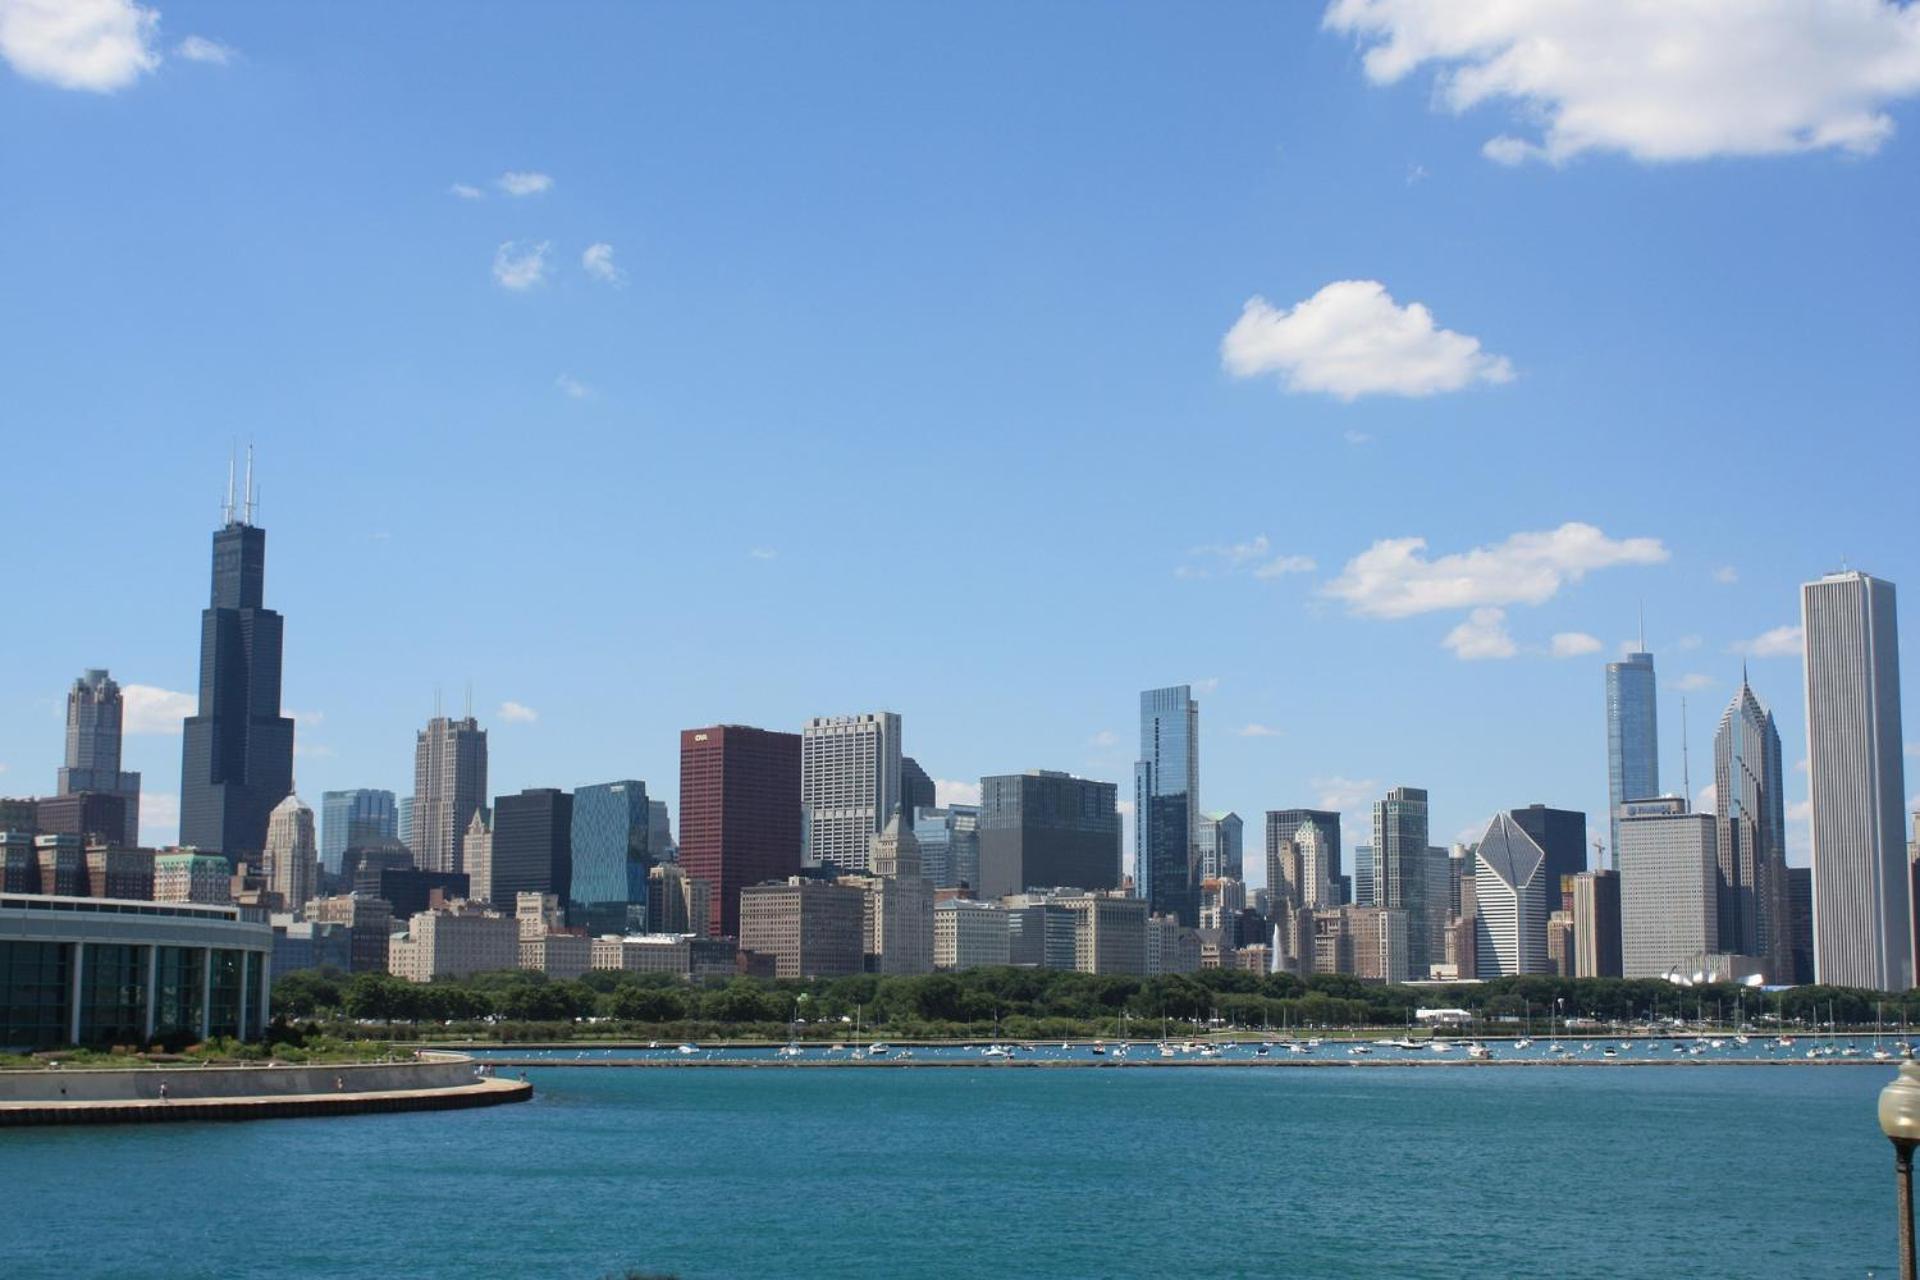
(611, 826)
(1633, 738)
(1166, 798)
(358, 817)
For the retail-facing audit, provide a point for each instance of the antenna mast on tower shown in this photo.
(252, 493)
(1686, 776)
(226, 511)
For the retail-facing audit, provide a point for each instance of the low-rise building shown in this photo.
(187, 875)
(812, 928)
(369, 923)
(126, 874)
(454, 942)
(100, 971)
(558, 955)
(309, 944)
(969, 934)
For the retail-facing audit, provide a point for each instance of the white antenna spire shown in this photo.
(1686, 776)
(252, 494)
(1643, 626)
(226, 511)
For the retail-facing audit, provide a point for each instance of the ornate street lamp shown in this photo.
(1900, 1121)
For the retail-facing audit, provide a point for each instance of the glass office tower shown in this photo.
(611, 821)
(1166, 798)
(1633, 738)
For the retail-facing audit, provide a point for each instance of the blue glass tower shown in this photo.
(1166, 799)
(348, 818)
(610, 856)
(1633, 737)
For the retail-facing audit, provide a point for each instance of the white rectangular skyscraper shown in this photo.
(849, 785)
(1862, 931)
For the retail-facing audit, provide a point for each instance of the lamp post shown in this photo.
(1900, 1121)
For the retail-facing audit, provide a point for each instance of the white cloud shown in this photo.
(466, 192)
(524, 183)
(1726, 575)
(1781, 642)
(1800, 765)
(1345, 794)
(96, 45)
(1658, 80)
(1705, 799)
(948, 791)
(598, 262)
(1254, 556)
(1687, 642)
(1124, 808)
(3, 767)
(159, 818)
(1356, 437)
(520, 267)
(572, 388)
(1572, 644)
(763, 553)
(1258, 731)
(1482, 635)
(1416, 173)
(1394, 578)
(1208, 685)
(201, 49)
(1692, 681)
(1800, 811)
(1350, 340)
(518, 713)
(149, 709)
(1104, 738)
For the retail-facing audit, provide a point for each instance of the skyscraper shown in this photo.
(1596, 924)
(1043, 830)
(94, 715)
(1562, 836)
(532, 844)
(1633, 737)
(949, 844)
(290, 859)
(660, 842)
(354, 817)
(1752, 820)
(1511, 934)
(916, 786)
(1282, 823)
(449, 783)
(1668, 887)
(849, 786)
(1221, 854)
(1166, 805)
(901, 903)
(236, 753)
(1400, 867)
(1862, 930)
(611, 859)
(740, 812)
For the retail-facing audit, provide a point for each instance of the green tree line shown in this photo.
(1040, 1002)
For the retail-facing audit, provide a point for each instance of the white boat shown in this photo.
(1480, 1052)
(996, 1051)
(688, 1050)
(879, 1050)
(1166, 1050)
(1098, 1050)
(788, 1051)
(1358, 1049)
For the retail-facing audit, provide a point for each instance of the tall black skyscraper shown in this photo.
(236, 757)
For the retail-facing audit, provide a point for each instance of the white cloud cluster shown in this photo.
(1694, 681)
(1780, 642)
(466, 191)
(150, 709)
(1344, 795)
(598, 262)
(518, 713)
(1658, 80)
(520, 267)
(1258, 731)
(524, 183)
(572, 388)
(1726, 575)
(1483, 635)
(1574, 644)
(95, 45)
(947, 791)
(763, 553)
(201, 49)
(1352, 339)
(1253, 556)
(1394, 578)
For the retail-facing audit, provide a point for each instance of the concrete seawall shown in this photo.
(439, 1081)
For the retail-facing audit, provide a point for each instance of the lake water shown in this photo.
(1572, 1171)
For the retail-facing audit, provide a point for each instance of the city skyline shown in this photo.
(381, 442)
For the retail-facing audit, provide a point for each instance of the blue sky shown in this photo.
(905, 379)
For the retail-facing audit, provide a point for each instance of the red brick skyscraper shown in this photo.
(739, 812)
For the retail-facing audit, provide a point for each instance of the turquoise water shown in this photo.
(1696, 1171)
